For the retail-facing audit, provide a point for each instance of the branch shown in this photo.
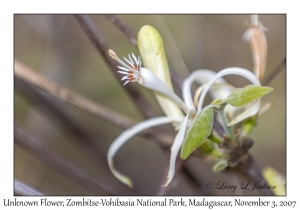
(99, 43)
(27, 142)
(274, 73)
(61, 115)
(120, 24)
(28, 75)
(251, 171)
(22, 189)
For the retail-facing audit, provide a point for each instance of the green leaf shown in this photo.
(219, 166)
(198, 132)
(274, 178)
(242, 96)
(249, 124)
(206, 147)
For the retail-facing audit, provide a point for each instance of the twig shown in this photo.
(22, 189)
(274, 73)
(131, 35)
(181, 168)
(100, 44)
(250, 170)
(26, 74)
(27, 142)
(61, 115)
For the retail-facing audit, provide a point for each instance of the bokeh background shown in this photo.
(56, 47)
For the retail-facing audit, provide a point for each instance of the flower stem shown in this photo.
(228, 130)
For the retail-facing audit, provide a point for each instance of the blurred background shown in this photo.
(56, 47)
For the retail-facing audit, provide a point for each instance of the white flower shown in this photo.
(135, 73)
(209, 80)
(219, 89)
(126, 135)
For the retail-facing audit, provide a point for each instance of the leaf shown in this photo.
(220, 166)
(198, 132)
(242, 96)
(249, 124)
(274, 178)
(206, 147)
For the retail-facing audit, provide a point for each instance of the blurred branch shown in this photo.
(100, 44)
(28, 75)
(194, 185)
(250, 170)
(61, 115)
(272, 75)
(27, 142)
(24, 73)
(22, 189)
(120, 24)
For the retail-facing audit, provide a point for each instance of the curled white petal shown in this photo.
(125, 136)
(175, 148)
(237, 71)
(151, 81)
(203, 76)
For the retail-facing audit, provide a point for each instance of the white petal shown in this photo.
(125, 136)
(250, 111)
(203, 76)
(175, 149)
(151, 81)
(236, 71)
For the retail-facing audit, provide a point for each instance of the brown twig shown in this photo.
(251, 171)
(22, 189)
(120, 24)
(61, 115)
(274, 73)
(27, 142)
(26, 74)
(100, 44)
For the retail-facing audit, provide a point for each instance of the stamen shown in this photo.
(113, 55)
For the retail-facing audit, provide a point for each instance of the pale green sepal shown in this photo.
(151, 48)
(243, 96)
(275, 180)
(200, 129)
(249, 124)
(220, 166)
